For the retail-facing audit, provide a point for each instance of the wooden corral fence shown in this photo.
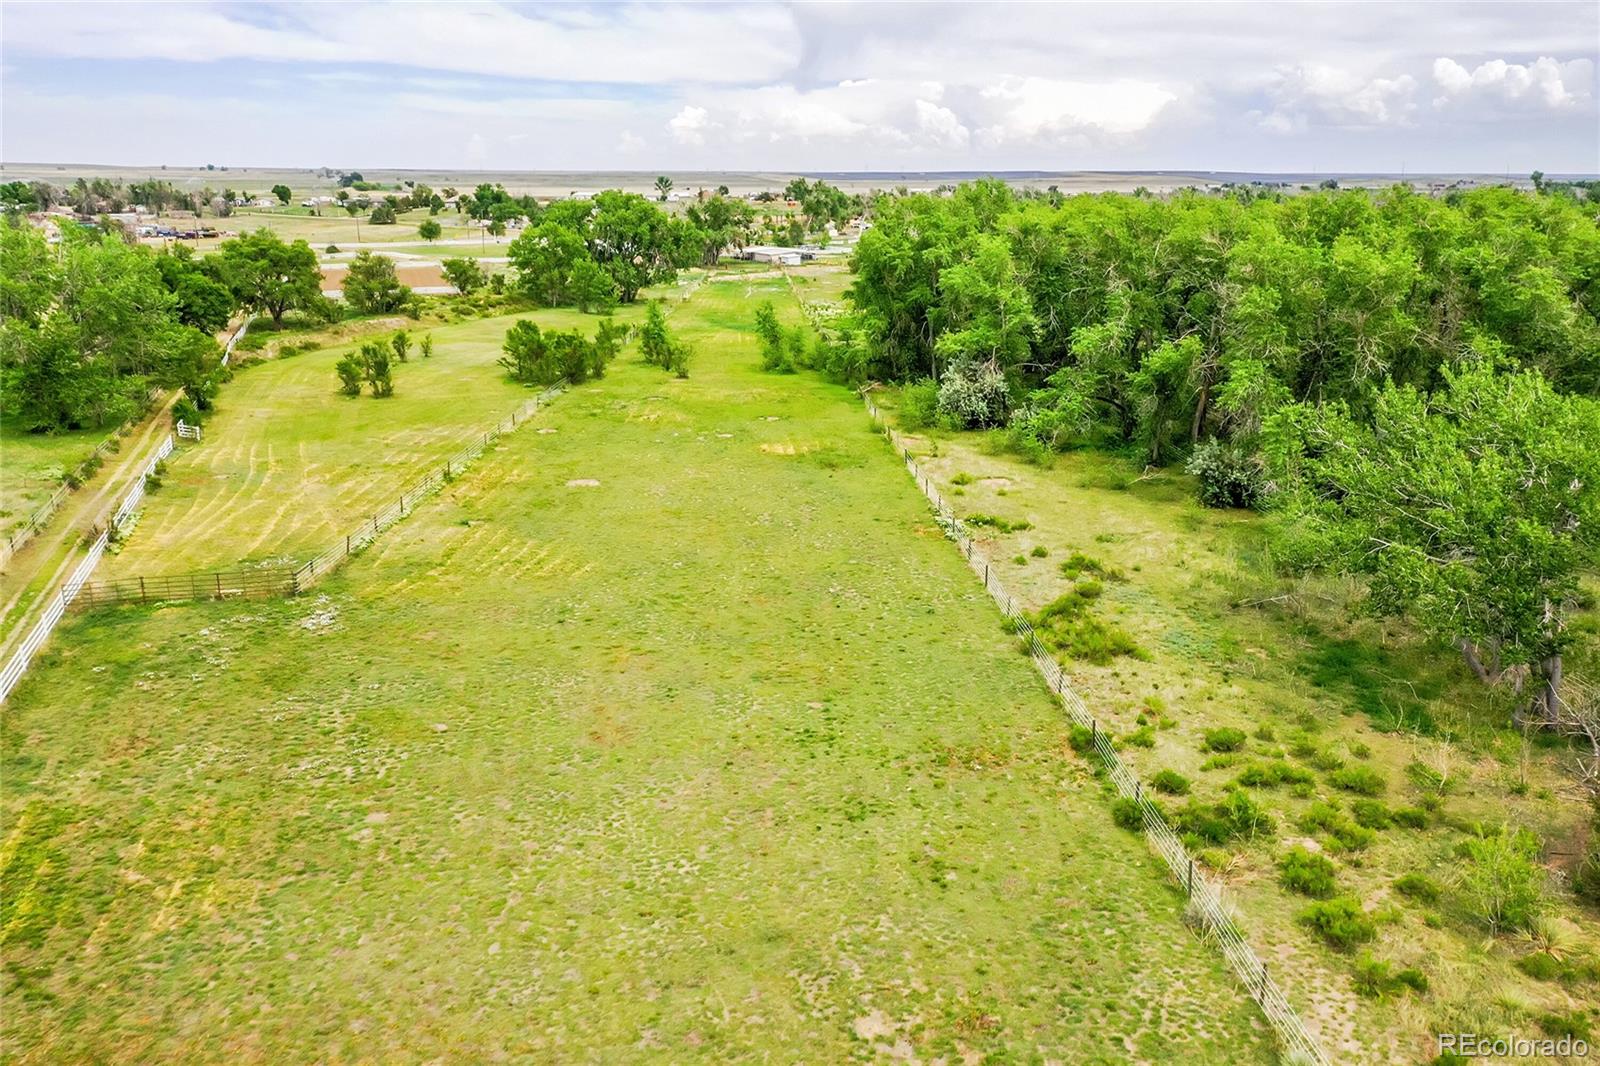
(186, 431)
(1206, 903)
(245, 584)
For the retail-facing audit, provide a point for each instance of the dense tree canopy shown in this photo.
(633, 242)
(1157, 323)
(267, 275)
(88, 330)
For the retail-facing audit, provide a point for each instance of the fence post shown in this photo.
(142, 597)
(1094, 731)
(219, 586)
(1191, 877)
(347, 544)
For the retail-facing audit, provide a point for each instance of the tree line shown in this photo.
(1410, 383)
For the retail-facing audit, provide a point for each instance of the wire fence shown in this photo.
(23, 656)
(406, 501)
(1206, 903)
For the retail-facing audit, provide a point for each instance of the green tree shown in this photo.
(770, 334)
(544, 258)
(378, 370)
(383, 215)
(1473, 511)
(655, 343)
(429, 230)
(663, 188)
(371, 286)
(352, 372)
(283, 193)
(590, 287)
(636, 242)
(427, 346)
(267, 275)
(608, 339)
(723, 224)
(401, 343)
(464, 274)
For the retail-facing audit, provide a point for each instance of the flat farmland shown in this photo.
(606, 753)
(289, 464)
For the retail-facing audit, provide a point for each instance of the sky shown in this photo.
(1281, 87)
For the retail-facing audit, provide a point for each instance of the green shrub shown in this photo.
(1502, 881)
(963, 478)
(1427, 779)
(1039, 551)
(1081, 738)
(1143, 737)
(1419, 887)
(1574, 1024)
(1272, 773)
(1336, 826)
(1360, 779)
(1171, 782)
(1224, 739)
(1376, 980)
(1067, 624)
(1078, 564)
(1541, 966)
(1586, 878)
(1020, 560)
(1371, 814)
(1236, 816)
(1126, 813)
(1228, 476)
(919, 404)
(1410, 817)
(1307, 873)
(1340, 922)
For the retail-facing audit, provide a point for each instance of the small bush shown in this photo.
(1126, 813)
(1228, 476)
(1081, 738)
(1376, 980)
(1573, 1024)
(1272, 773)
(1336, 826)
(919, 404)
(1502, 880)
(1224, 739)
(1170, 782)
(999, 525)
(1078, 564)
(1143, 737)
(1039, 551)
(1340, 922)
(1541, 966)
(1068, 625)
(1306, 873)
(1360, 779)
(1419, 887)
(1371, 814)
(962, 478)
(1410, 817)
(1236, 816)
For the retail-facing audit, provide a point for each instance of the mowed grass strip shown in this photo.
(678, 733)
(289, 464)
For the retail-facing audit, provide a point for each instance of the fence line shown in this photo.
(406, 502)
(1205, 899)
(215, 585)
(23, 656)
(233, 341)
(42, 514)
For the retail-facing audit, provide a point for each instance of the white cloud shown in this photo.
(1328, 96)
(629, 143)
(689, 125)
(941, 126)
(1036, 107)
(1544, 82)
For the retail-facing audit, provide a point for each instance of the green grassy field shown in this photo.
(1311, 684)
(289, 464)
(722, 757)
(31, 465)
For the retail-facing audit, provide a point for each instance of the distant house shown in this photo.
(264, 201)
(771, 253)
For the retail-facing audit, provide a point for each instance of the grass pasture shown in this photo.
(678, 733)
(1315, 692)
(31, 466)
(289, 463)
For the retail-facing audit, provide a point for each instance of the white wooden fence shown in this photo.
(233, 341)
(1205, 899)
(23, 656)
(186, 431)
